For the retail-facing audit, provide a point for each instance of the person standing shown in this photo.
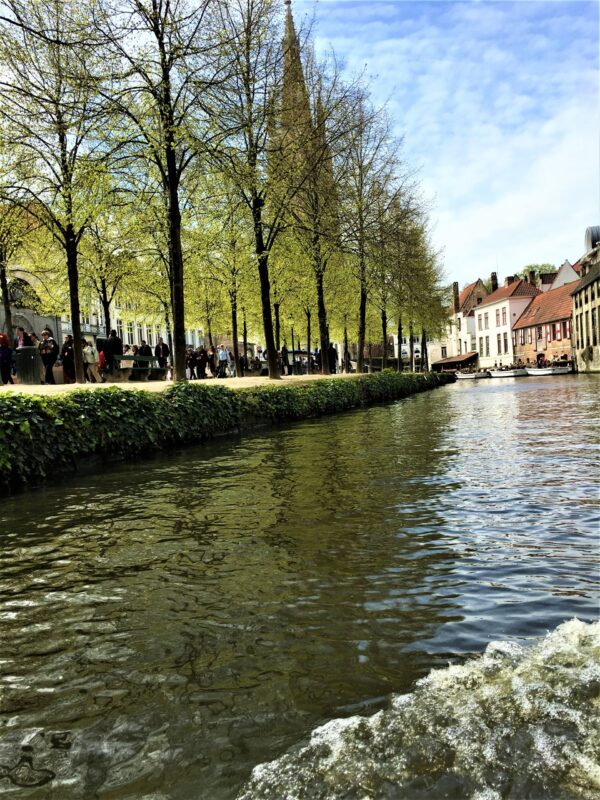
(223, 358)
(212, 362)
(22, 339)
(231, 364)
(202, 360)
(49, 354)
(113, 347)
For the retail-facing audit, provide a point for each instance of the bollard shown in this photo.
(29, 365)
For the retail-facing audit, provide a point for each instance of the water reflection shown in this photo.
(171, 623)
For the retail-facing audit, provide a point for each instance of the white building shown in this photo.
(495, 317)
(458, 347)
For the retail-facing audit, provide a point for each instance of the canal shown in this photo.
(167, 625)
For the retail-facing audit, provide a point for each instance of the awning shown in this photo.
(465, 358)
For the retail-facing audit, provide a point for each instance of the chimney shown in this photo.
(494, 281)
(455, 296)
(508, 280)
(532, 280)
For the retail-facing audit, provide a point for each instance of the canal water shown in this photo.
(169, 625)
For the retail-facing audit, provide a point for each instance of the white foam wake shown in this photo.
(515, 723)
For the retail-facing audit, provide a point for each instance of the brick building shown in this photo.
(543, 331)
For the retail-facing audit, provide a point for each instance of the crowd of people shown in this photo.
(101, 358)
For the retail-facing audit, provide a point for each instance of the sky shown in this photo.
(498, 104)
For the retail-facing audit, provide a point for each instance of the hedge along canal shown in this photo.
(48, 437)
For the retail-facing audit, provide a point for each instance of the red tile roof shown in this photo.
(551, 306)
(457, 359)
(520, 288)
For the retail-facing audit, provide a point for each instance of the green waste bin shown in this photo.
(29, 365)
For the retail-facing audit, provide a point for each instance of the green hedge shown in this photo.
(42, 437)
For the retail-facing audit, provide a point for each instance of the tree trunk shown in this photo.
(362, 321)
(73, 275)
(169, 331)
(234, 333)
(323, 329)
(346, 352)
(105, 303)
(8, 326)
(245, 343)
(370, 357)
(308, 337)
(276, 307)
(424, 355)
(265, 287)
(384, 338)
(411, 346)
(400, 362)
(176, 268)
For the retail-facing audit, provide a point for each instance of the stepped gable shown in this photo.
(520, 288)
(551, 306)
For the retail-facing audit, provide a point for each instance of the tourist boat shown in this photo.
(563, 370)
(465, 376)
(514, 372)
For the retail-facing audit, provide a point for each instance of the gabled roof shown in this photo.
(518, 288)
(465, 294)
(592, 275)
(550, 306)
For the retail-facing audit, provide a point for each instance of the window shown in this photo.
(458, 323)
(504, 316)
(479, 299)
(567, 329)
(487, 345)
(486, 320)
(594, 330)
(459, 347)
(499, 344)
(479, 322)
(140, 334)
(497, 317)
(157, 332)
(557, 331)
(120, 329)
(130, 333)
(481, 345)
(444, 352)
(539, 332)
(587, 329)
(529, 335)
(505, 342)
(522, 336)
(150, 336)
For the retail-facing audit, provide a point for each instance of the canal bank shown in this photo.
(49, 436)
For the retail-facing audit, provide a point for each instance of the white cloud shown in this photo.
(498, 104)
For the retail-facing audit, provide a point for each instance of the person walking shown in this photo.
(49, 353)
(5, 360)
(67, 359)
(285, 360)
(90, 356)
(332, 358)
(162, 352)
(231, 364)
(212, 362)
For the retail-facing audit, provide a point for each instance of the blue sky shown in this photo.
(498, 104)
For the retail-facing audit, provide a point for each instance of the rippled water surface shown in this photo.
(168, 625)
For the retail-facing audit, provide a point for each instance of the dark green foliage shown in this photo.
(46, 436)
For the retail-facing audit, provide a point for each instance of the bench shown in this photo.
(136, 368)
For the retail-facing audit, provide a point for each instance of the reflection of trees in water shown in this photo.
(243, 592)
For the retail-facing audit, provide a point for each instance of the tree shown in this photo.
(51, 122)
(168, 57)
(15, 224)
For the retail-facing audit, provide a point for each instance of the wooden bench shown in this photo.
(136, 368)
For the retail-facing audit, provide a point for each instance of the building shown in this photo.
(458, 347)
(495, 317)
(586, 305)
(543, 331)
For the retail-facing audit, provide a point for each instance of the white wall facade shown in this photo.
(493, 330)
